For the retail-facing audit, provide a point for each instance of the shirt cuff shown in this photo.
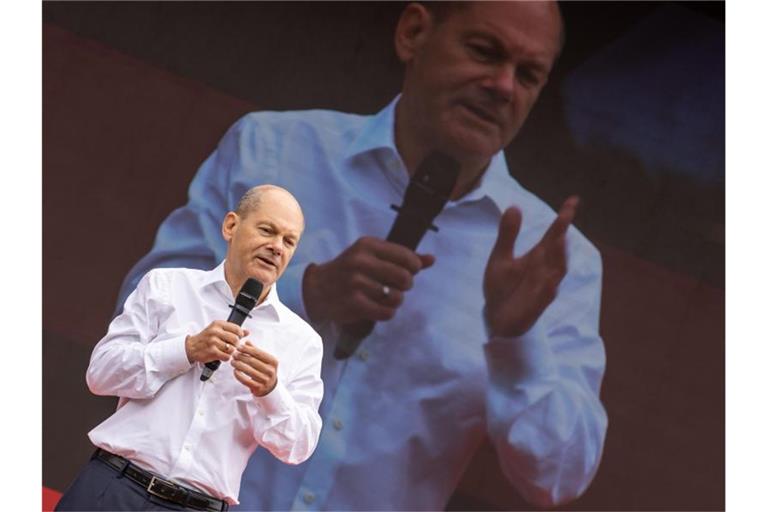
(522, 358)
(291, 290)
(168, 356)
(276, 401)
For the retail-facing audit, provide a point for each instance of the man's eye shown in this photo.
(482, 52)
(290, 243)
(528, 77)
(265, 230)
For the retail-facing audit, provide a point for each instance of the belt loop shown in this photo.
(126, 463)
(185, 496)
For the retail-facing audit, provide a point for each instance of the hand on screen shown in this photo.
(365, 282)
(518, 290)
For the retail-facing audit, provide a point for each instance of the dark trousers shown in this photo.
(98, 486)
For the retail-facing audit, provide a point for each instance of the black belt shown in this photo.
(160, 487)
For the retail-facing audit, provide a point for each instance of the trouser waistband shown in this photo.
(160, 487)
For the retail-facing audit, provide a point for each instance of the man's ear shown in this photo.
(229, 226)
(412, 30)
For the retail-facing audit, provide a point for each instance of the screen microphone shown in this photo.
(428, 190)
(246, 299)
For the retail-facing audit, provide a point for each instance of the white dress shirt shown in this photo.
(405, 415)
(201, 434)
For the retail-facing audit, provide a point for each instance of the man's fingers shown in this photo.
(246, 380)
(227, 348)
(381, 290)
(397, 254)
(259, 373)
(233, 328)
(248, 349)
(259, 362)
(367, 308)
(220, 354)
(568, 209)
(228, 337)
(258, 386)
(384, 272)
(509, 227)
(564, 219)
(427, 260)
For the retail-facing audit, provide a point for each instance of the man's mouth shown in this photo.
(480, 112)
(267, 261)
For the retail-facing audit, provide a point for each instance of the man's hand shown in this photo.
(365, 282)
(518, 290)
(255, 368)
(215, 342)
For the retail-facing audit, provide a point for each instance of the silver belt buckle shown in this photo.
(151, 490)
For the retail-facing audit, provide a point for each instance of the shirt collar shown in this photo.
(378, 134)
(495, 185)
(215, 277)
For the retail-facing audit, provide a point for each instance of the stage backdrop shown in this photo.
(136, 95)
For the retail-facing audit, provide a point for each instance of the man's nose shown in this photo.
(501, 82)
(276, 247)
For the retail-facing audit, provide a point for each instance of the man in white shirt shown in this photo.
(490, 330)
(176, 441)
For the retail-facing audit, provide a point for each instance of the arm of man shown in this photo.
(285, 414)
(134, 360)
(546, 361)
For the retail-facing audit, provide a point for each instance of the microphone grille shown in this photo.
(252, 287)
(438, 172)
(249, 293)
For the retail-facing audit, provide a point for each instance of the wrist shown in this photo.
(274, 385)
(188, 349)
(309, 287)
(502, 327)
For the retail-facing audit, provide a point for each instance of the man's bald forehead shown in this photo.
(253, 199)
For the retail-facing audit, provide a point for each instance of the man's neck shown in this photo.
(414, 145)
(235, 284)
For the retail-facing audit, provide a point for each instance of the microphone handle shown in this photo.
(408, 230)
(350, 338)
(427, 193)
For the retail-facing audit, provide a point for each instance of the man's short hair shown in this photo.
(252, 199)
(441, 10)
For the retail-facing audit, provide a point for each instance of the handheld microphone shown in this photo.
(246, 300)
(426, 195)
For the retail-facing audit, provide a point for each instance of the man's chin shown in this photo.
(264, 276)
(473, 147)
(473, 135)
(471, 142)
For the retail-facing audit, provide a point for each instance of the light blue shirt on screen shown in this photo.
(403, 417)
